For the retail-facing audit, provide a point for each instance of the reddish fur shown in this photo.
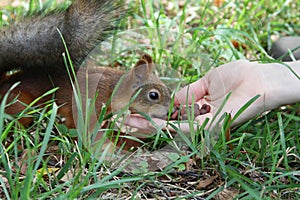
(32, 85)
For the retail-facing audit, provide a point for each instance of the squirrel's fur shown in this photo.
(33, 49)
(35, 42)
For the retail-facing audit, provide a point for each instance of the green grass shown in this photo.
(186, 40)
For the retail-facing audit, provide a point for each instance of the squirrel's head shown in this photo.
(147, 93)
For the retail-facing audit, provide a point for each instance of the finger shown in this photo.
(185, 127)
(201, 119)
(138, 121)
(196, 91)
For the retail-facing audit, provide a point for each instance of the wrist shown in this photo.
(281, 84)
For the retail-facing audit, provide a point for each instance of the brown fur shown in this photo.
(33, 47)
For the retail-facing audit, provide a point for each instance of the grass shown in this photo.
(186, 39)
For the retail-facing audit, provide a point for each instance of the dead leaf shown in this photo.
(189, 165)
(206, 182)
(23, 164)
(50, 170)
(227, 194)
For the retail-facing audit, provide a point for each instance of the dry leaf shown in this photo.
(189, 165)
(50, 170)
(23, 164)
(227, 194)
(206, 182)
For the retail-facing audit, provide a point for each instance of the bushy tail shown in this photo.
(34, 42)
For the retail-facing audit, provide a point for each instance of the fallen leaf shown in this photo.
(206, 182)
(227, 194)
(50, 170)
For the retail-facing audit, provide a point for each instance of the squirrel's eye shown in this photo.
(153, 94)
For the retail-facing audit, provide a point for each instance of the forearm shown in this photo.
(282, 84)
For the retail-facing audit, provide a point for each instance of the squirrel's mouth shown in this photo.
(152, 115)
(133, 111)
(165, 117)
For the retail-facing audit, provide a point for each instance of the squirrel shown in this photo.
(31, 53)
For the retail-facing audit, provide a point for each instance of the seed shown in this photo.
(204, 109)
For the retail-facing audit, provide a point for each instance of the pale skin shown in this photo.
(276, 84)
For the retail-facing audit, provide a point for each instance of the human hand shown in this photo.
(240, 81)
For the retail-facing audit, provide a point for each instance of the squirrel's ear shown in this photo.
(147, 58)
(141, 62)
(141, 70)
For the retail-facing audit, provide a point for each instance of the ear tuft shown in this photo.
(141, 62)
(147, 58)
(142, 69)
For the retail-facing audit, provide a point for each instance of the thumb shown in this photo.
(196, 90)
(187, 127)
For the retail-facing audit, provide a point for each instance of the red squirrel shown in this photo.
(32, 50)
